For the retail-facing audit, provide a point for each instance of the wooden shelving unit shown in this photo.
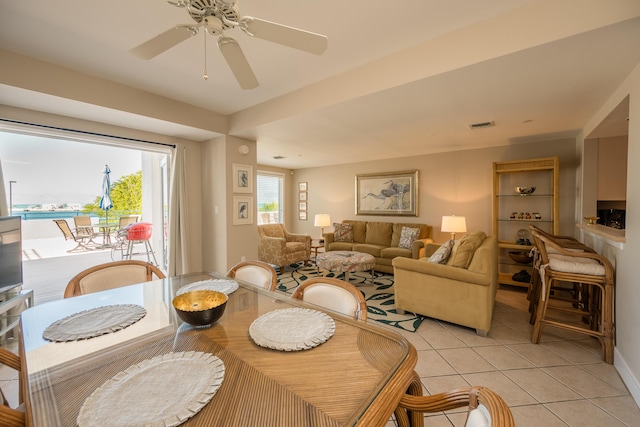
(544, 202)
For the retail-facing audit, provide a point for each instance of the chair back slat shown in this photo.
(333, 294)
(255, 272)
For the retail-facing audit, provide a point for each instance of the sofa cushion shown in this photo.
(379, 233)
(340, 246)
(342, 232)
(463, 251)
(441, 256)
(392, 252)
(407, 237)
(374, 250)
(359, 229)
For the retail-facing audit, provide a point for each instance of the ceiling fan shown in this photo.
(216, 16)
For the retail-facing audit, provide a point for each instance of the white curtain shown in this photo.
(178, 245)
(4, 206)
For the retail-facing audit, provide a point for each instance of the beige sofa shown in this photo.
(464, 296)
(381, 240)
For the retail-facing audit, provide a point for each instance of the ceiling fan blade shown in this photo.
(284, 35)
(164, 41)
(237, 62)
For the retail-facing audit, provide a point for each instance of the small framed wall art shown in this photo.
(242, 178)
(242, 210)
(303, 197)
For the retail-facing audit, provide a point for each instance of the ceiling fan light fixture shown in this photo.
(213, 25)
(217, 16)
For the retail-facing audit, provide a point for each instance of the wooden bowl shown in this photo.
(200, 308)
(521, 257)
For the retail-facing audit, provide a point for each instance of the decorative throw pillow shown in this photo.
(407, 236)
(342, 232)
(467, 246)
(441, 256)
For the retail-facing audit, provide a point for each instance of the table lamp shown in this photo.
(322, 221)
(453, 224)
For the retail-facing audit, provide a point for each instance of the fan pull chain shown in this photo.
(205, 76)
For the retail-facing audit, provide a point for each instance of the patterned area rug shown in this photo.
(379, 295)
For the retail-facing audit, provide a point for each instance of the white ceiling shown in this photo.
(399, 78)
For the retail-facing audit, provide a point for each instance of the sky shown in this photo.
(48, 170)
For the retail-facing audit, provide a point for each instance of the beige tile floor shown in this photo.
(560, 382)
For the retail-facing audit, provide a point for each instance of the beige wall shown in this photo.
(627, 292)
(612, 168)
(454, 183)
(225, 244)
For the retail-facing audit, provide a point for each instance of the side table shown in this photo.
(315, 246)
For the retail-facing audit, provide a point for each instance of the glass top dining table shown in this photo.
(355, 378)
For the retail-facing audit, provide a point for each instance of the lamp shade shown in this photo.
(454, 224)
(322, 220)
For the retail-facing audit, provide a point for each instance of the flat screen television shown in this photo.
(10, 252)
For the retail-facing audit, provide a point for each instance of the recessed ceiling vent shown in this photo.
(279, 157)
(482, 125)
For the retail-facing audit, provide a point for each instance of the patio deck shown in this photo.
(48, 267)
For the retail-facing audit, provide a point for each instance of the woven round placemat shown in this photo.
(95, 322)
(226, 286)
(163, 391)
(292, 329)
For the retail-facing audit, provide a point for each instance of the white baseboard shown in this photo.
(627, 376)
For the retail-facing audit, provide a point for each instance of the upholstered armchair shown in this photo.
(459, 288)
(279, 247)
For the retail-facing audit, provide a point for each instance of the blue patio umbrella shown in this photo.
(105, 201)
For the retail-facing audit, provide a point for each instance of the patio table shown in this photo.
(355, 378)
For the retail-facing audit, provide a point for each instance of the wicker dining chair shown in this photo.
(255, 272)
(11, 417)
(333, 294)
(485, 408)
(111, 275)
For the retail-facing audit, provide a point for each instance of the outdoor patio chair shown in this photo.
(112, 275)
(82, 238)
(485, 408)
(11, 417)
(333, 294)
(84, 226)
(255, 272)
(126, 220)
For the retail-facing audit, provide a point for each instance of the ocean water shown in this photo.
(36, 215)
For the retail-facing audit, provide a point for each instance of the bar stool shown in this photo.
(140, 233)
(574, 294)
(592, 273)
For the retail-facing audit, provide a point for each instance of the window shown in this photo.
(270, 200)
